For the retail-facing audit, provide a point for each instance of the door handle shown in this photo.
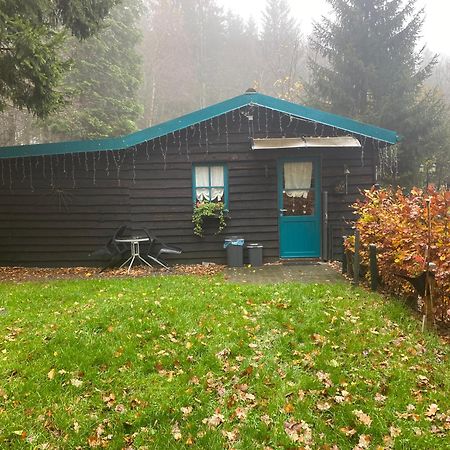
(282, 211)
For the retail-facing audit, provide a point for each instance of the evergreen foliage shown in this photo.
(104, 80)
(31, 38)
(281, 50)
(374, 73)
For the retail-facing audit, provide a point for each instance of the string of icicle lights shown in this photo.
(250, 121)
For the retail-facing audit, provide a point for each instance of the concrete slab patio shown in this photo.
(285, 273)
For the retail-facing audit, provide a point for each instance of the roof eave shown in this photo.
(210, 112)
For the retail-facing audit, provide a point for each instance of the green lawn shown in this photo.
(174, 362)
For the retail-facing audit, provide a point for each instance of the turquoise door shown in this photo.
(299, 208)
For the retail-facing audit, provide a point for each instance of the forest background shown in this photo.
(154, 60)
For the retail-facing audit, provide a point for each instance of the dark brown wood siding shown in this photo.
(56, 210)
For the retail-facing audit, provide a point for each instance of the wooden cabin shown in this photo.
(286, 173)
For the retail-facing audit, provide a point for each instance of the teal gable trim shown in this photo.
(325, 118)
(148, 134)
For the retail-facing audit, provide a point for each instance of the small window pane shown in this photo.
(202, 194)
(298, 193)
(217, 194)
(202, 176)
(299, 206)
(217, 178)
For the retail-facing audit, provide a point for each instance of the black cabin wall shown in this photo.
(56, 210)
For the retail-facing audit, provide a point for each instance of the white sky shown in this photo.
(436, 29)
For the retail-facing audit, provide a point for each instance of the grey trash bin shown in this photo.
(234, 246)
(255, 254)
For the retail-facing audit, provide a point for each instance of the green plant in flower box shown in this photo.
(203, 210)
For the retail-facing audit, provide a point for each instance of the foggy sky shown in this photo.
(436, 29)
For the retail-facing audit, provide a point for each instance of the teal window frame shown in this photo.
(210, 187)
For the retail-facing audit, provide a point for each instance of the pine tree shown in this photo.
(373, 72)
(282, 49)
(32, 34)
(238, 70)
(104, 81)
(204, 25)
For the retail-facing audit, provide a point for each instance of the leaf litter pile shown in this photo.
(189, 362)
(21, 274)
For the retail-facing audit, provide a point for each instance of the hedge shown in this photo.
(408, 233)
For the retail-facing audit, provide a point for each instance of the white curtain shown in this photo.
(217, 179)
(297, 178)
(216, 175)
(202, 179)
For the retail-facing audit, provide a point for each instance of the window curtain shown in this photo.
(202, 179)
(297, 179)
(217, 180)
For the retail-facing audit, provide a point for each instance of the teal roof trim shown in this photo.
(195, 117)
(325, 118)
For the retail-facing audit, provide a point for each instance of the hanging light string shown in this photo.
(206, 132)
(74, 183)
(31, 175)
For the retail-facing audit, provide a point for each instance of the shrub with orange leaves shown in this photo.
(398, 225)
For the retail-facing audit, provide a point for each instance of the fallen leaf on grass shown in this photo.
(120, 408)
(288, 408)
(186, 410)
(176, 433)
(109, 399)
(232, 436)
(248, 371)
(298, 431)
(51, 374)
(76, 382)
(342, 396)
(362, 417)
(223, 354)
(21, 433)
(318, 339)
(214, 421)
(266, 419)
(3, 394)
(432, 410)
(349, 432)
(194, 380)
(324, 378)
(241, 413)
(98, 439)
(323, 406)
(364, 442)
(394, 432)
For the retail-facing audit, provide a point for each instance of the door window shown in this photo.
(298, 189)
